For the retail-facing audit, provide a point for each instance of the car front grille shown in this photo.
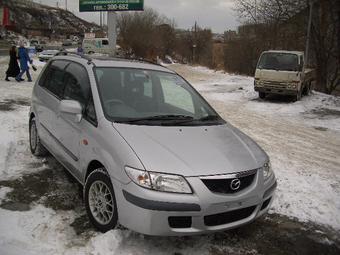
(275, 84)
(223, 184)
(228, 217)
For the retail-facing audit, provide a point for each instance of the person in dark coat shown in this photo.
(80, 50)
(13, 66)
(24, 60)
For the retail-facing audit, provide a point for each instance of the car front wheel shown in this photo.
(100, 201)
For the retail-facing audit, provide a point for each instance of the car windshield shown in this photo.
(279, 61)
(145, 97)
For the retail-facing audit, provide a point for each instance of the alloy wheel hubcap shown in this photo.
(101, 202)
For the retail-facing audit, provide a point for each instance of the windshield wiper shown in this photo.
(170, 117)
(209, 118)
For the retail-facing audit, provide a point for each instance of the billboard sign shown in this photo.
(110, 5)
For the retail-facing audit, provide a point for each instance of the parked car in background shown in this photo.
(47, 55)
(67, 42)
(40, 46)
(96, 45)
(283, 72)
(34, 42)
(150, 152)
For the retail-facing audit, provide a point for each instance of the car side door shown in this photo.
(69, 130)
(48, 94)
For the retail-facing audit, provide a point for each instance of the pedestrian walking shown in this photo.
(24, 60)
(13, 66)
(80, 50)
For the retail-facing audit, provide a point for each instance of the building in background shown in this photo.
(6, 19)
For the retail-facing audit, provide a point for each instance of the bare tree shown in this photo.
(139, 33)
(268, 11)
(325, 42)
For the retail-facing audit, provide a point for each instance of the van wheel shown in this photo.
(262, 95)
(298, 96)
(100, 201)
(36, 146)
(308, 89)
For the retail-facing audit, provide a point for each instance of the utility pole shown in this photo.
(310, 21)
(255, 11)
(194, 44)
(101, 19)
(66, 5)
(112, 31)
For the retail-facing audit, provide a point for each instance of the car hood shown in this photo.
(280, 76)
(193, 151)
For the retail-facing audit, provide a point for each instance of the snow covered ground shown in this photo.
(41, 212)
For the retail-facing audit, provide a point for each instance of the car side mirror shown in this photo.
(71, 107)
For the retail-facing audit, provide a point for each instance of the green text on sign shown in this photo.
(110, 5)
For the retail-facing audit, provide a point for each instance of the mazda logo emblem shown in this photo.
(235, 184)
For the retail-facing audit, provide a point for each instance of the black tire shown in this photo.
(91, 52)
(262, 95)
(100, 176)
(308, 89)
(36, 146)
(298, 96)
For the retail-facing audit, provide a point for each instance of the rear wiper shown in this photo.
(169, 117)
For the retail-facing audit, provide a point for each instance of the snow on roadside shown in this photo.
(229, 88)
(14, 109)
(3, 192)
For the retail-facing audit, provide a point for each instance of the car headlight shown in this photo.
(267, 171)
(159, 181)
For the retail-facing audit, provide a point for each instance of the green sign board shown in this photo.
(110, 5)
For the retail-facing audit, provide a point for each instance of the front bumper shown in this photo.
(166, 214)
(279, 91)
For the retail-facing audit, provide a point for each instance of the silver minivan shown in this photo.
(150, 152)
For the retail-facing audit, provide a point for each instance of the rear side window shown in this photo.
(53, 78)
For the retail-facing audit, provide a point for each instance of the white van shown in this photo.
(96, 45)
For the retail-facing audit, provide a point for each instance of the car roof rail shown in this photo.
(73, 54)
(141, 60)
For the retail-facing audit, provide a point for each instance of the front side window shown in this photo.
(53, 78)
(145, 97)
(279, 61)
(77, 85)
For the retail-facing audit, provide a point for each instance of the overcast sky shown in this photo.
(215, 14)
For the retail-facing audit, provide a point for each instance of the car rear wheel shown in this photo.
(100, 201)
(308, 89)
(262, 95)
(36, 146)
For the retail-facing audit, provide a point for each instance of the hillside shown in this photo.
(37, 19)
